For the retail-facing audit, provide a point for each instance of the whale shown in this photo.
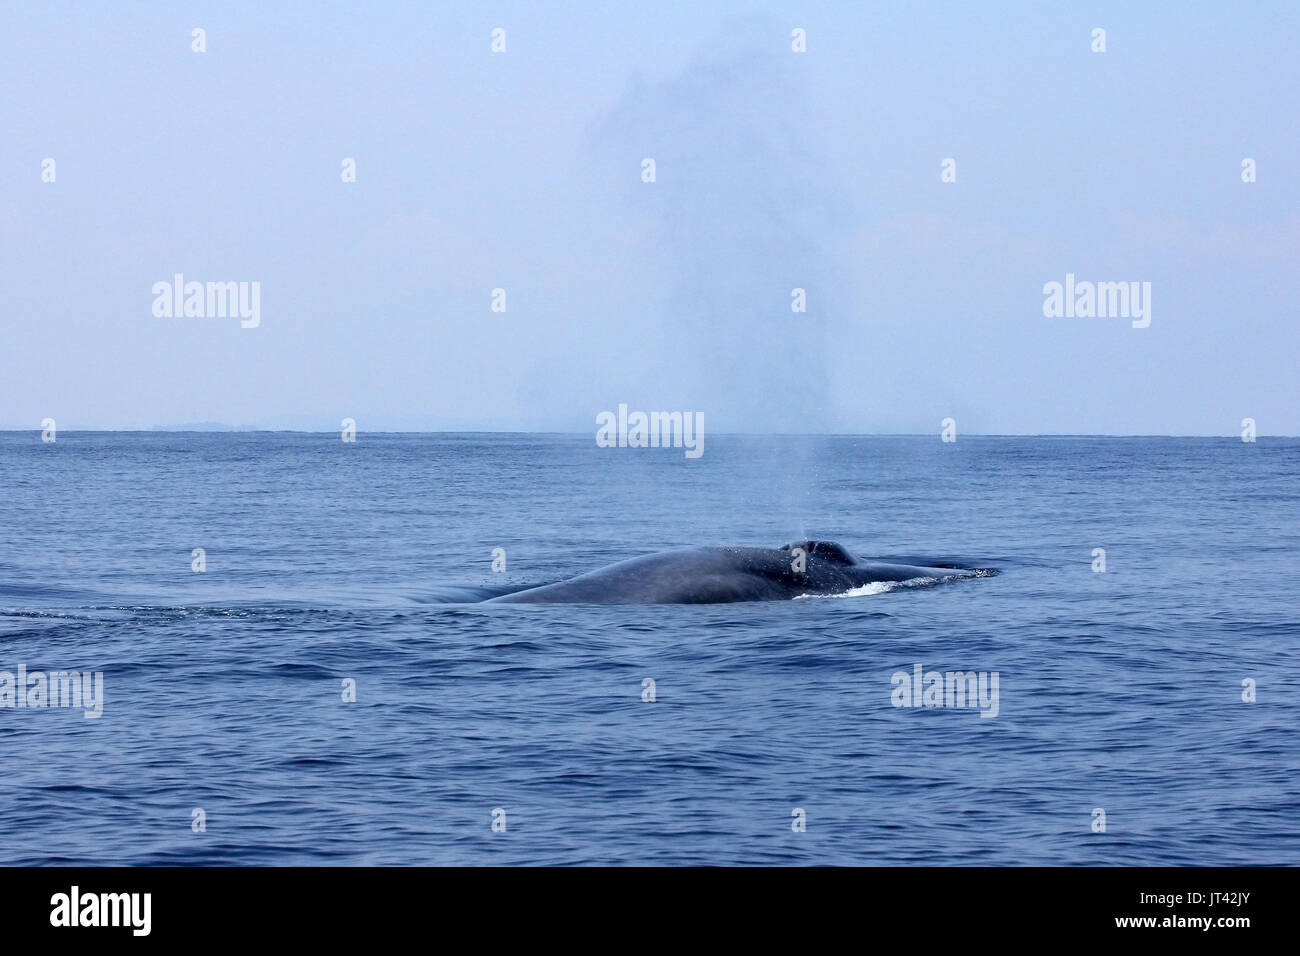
(720, 575)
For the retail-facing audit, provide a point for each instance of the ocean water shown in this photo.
(328, 562)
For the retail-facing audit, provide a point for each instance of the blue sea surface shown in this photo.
(329, 561)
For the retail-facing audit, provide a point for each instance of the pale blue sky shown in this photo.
(522, 170)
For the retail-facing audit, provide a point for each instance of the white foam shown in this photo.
(875, 587)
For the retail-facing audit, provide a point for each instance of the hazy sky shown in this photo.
(774, 170)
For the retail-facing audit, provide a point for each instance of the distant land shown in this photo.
(202, 427)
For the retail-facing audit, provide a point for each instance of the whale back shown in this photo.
(713, 575)
(826, 550)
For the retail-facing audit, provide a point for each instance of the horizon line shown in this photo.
(240, 429)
